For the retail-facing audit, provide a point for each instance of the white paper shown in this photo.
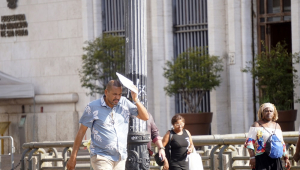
(126, 82)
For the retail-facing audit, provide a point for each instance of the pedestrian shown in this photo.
(156, 139)
(296, 156)
(257, 140)
(108, 119)
(180, 145)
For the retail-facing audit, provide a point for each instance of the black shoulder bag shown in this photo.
(168, 146)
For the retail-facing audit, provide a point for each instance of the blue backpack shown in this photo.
(274, 147)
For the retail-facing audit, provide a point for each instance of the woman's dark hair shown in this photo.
(176, 118)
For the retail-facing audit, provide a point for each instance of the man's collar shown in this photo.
(103, 103)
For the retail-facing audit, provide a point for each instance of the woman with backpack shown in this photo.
(178, 143)
(265, 141)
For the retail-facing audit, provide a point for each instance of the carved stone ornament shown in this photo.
(132, 160)
(12, 4)
(145, 163)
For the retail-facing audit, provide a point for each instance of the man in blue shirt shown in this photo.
(108, 120)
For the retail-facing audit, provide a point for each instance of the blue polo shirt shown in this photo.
(109, 127)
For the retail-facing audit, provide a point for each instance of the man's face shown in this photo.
(113, 95)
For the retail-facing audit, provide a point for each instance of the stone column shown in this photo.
(216, 15)
(238, 55)
(136, 70)
(159, 50)
(246, 32)
(295, 13)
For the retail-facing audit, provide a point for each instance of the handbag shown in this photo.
(168, 146)
(168, 151)
(195, 161)
(158, 160)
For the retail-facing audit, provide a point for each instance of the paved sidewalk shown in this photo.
(6, 161)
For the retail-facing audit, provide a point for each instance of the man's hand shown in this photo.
(133, 94)
(142, 111)
(72, 160)
(287, 164)
(162, 154)
(71, 163)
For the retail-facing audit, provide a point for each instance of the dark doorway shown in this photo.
(280, 32)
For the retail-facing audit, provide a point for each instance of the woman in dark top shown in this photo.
(181, 145)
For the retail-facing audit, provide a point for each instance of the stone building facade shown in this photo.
(49, 54)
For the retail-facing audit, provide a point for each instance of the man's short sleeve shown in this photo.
(132, 107)
(87, 117)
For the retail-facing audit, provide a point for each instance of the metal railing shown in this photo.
(12, 150)
(217, 152)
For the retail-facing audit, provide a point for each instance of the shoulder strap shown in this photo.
(266, 129)
(169, 143)
(171, 135)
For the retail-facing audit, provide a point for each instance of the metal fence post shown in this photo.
(12, 149)
(65, 156)
(220, 156)
(30, 158)
(23, 157)
(212, 153)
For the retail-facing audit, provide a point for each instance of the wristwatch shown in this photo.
(136, 101)
(162, 148)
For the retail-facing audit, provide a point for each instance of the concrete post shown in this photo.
(136, 70)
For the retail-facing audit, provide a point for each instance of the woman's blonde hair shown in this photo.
(261, 109)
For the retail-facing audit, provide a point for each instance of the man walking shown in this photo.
(156, 139)
(108, 119)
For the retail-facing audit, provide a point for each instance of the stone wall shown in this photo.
(48, 57)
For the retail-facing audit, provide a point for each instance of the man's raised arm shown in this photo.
(142, 111)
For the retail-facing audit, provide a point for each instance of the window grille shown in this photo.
(113, 24)
(113, 17)
(190, 30)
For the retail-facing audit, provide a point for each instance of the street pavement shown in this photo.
(6, 161)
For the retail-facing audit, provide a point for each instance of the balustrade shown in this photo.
(217, 152)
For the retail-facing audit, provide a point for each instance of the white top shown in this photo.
(261, 132)
(257, 137)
